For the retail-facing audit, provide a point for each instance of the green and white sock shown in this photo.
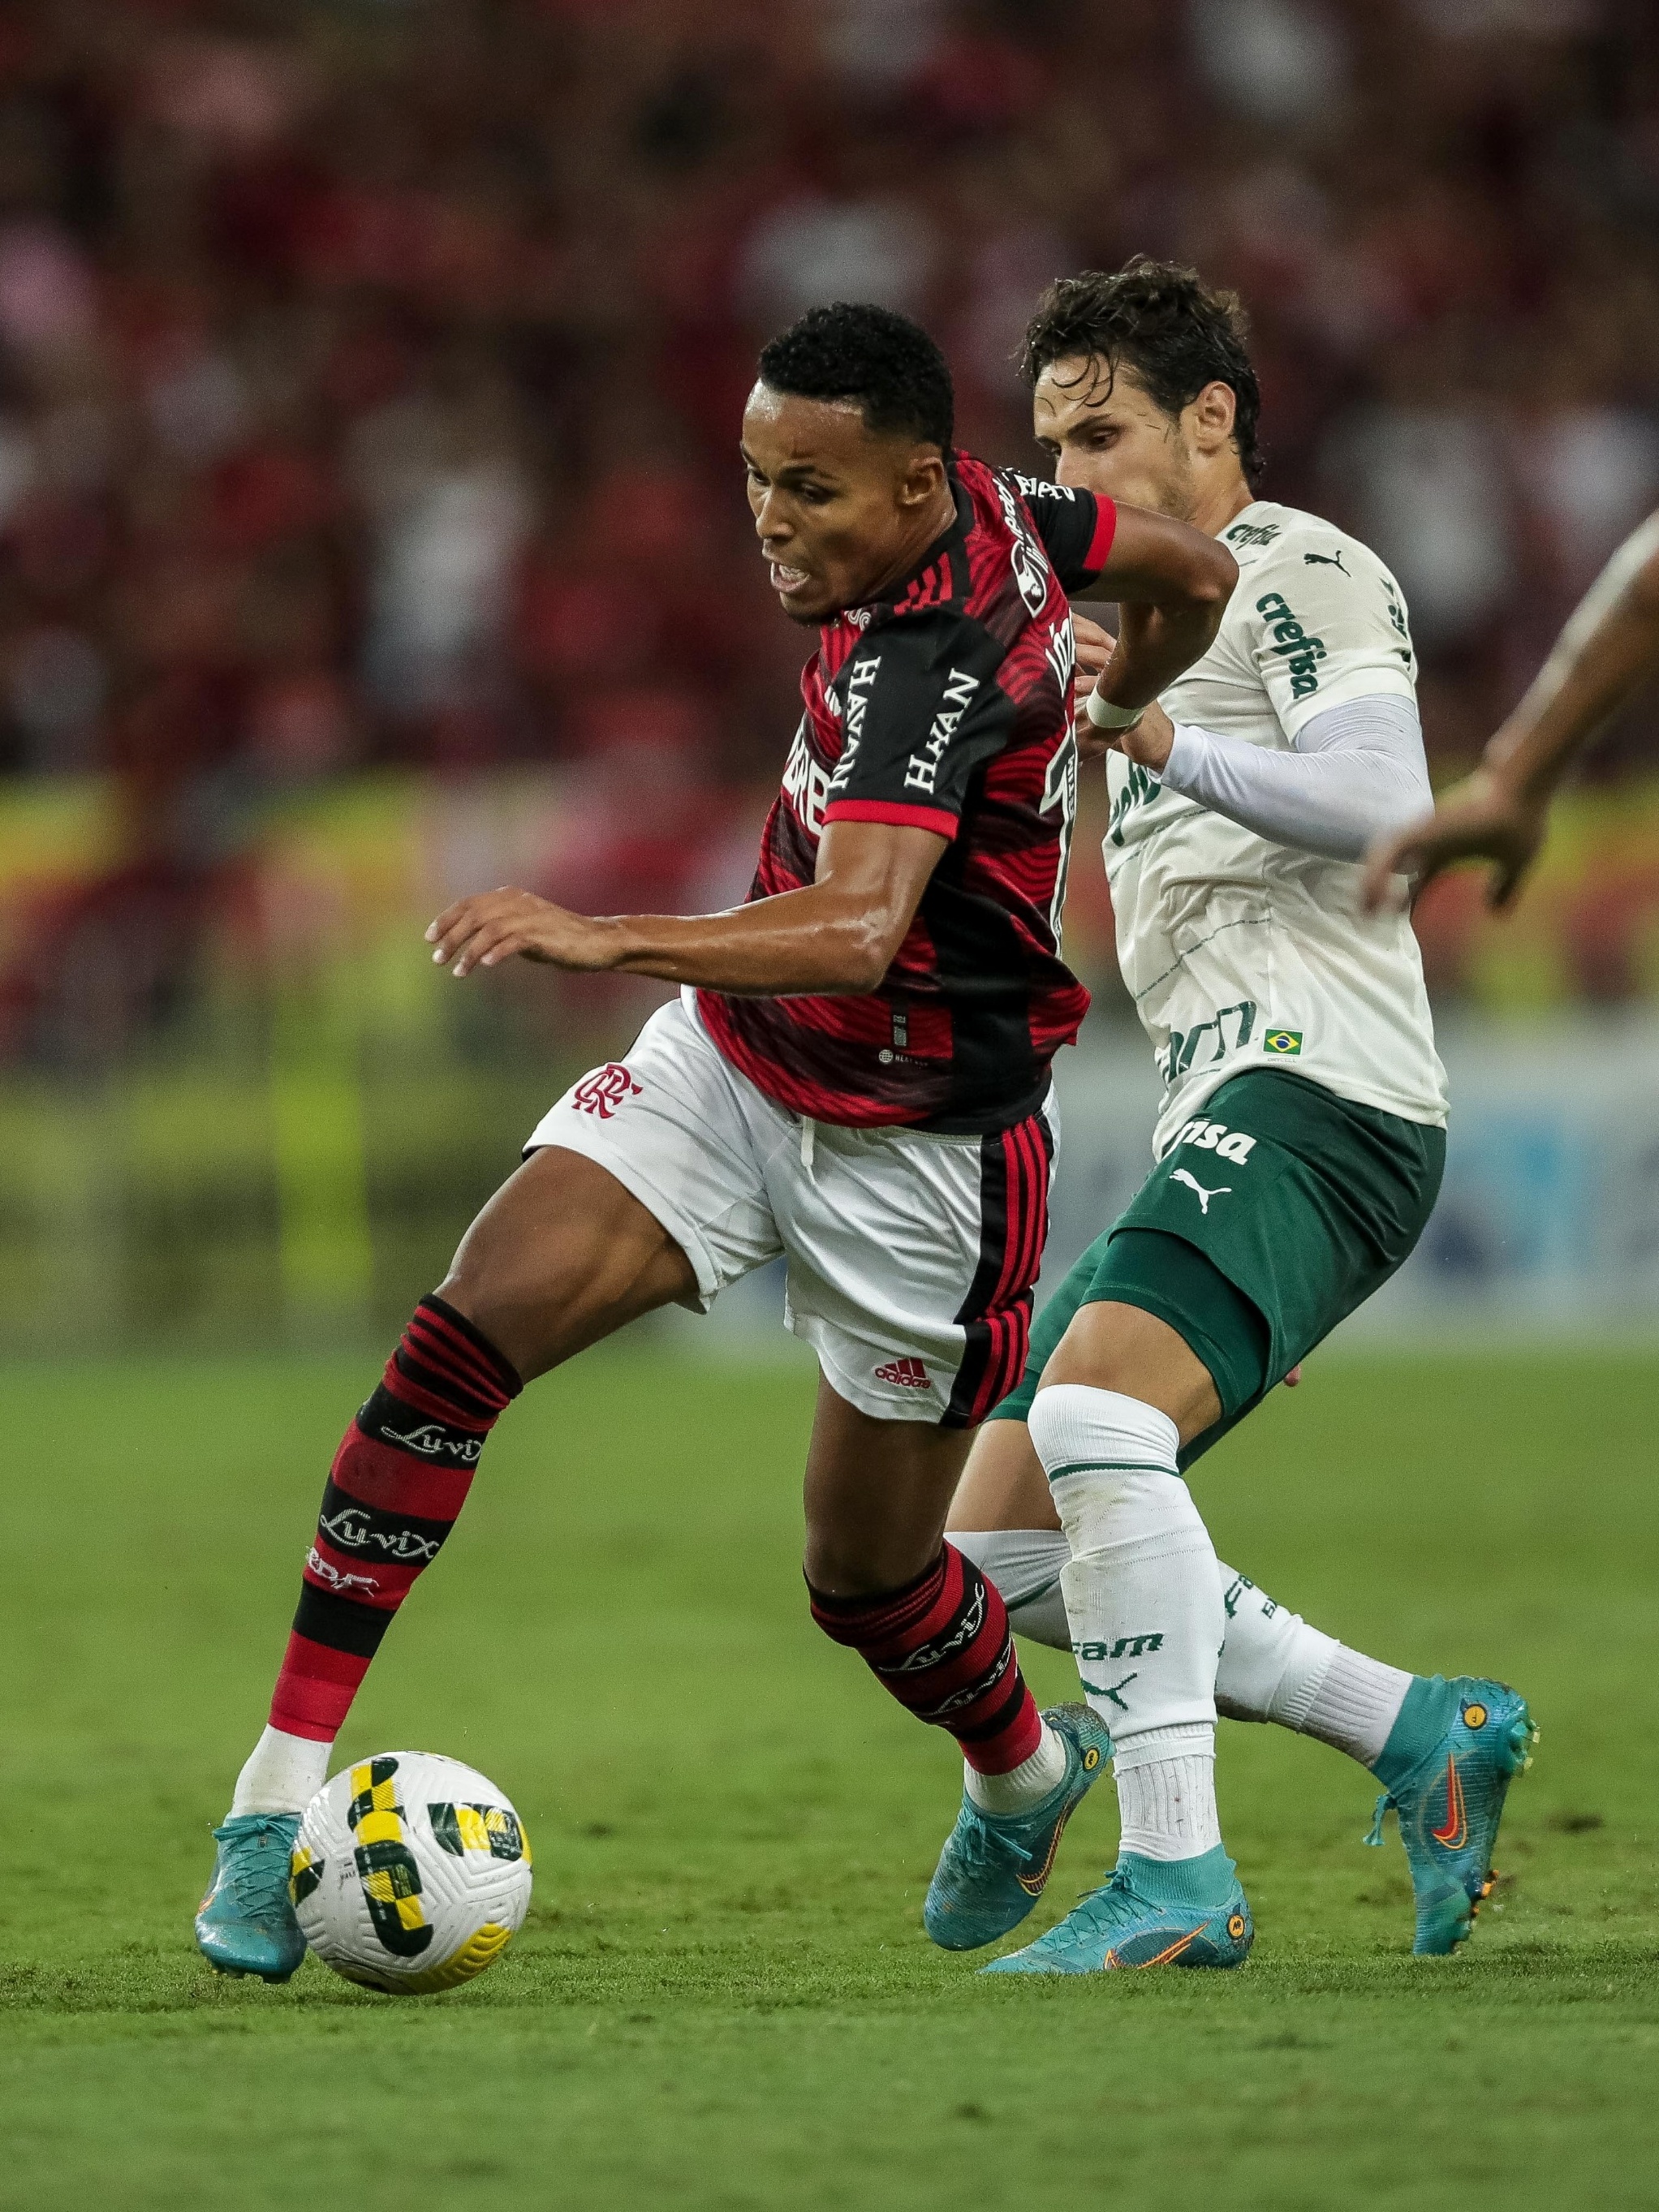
(1143, 1594)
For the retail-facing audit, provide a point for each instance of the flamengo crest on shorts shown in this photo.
(911, 1256)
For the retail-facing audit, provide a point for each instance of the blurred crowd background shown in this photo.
(370, 524)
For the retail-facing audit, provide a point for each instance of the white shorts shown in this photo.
(911, 1257)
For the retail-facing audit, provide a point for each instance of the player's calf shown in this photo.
(1143, 1594)
(397, 1484)
(395, 1491)
(941, 1646)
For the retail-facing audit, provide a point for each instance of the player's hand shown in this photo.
(1095, 648)
(490, 927)
(1150, 740)
(1485, 818)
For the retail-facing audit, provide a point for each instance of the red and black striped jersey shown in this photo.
(946, 706)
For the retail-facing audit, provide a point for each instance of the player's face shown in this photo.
(836, 509)
(1108, 435)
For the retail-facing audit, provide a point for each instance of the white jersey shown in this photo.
(1241, 953)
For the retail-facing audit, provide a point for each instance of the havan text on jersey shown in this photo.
(945, 706)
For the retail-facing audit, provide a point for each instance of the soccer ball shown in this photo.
(410, 1873)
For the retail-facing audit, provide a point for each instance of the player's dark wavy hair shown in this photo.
(1177, 333)
(885, 362)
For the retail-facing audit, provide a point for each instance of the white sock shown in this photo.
(283, 1775)
(1356, 1704)
(1024, 1785)
(1272, 1662)
(1167, 1803)
(1143, 1593)
(1274, 1665)
(1024, 1565)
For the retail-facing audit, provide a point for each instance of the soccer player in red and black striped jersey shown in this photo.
(855, 1078)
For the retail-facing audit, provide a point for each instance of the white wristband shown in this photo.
(1105, 716)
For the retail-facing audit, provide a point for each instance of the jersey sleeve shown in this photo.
(923, 711)
(1077, 528)
(1325, 623)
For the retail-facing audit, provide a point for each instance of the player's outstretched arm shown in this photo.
(838, 933)
(1172, 584)
(1609, 647)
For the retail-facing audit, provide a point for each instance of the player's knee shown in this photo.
(514, 1312)
(1110, 1459)
(1126, 1350)
(861, 1564)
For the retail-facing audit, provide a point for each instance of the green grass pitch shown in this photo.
(723, 1997)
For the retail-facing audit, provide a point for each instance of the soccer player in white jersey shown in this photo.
(1300, 1150)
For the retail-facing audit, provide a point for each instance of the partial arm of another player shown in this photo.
(838, 933)
(1609, 649)
(1172, 584)
(1352, 773)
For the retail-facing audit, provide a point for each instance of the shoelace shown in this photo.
(1063, 1935)
(258, 1879)
(1116, 1883)
(982, 1844)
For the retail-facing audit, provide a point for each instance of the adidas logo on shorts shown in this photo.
(909, 1373)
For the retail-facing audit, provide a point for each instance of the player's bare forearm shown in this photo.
(1609, 649)
(1172, 584)
(838, 934)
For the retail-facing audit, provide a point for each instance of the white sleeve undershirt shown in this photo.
(1353, 771)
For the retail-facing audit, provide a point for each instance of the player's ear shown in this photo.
(924, 472)
(1211, 416)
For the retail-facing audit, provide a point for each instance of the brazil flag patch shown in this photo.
(1284, 1043)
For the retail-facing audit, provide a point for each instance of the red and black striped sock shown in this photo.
(399, 1478)
(941, 1645)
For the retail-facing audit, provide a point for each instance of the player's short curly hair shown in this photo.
(1164, 322)
(885, 363)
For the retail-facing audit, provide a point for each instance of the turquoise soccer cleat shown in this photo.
(1146, 1915)
(994, 1865)
(246, 1923)
(1450, 1806)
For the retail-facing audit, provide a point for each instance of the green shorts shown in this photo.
(1275, 1213)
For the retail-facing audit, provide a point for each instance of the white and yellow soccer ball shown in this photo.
(410, 1873)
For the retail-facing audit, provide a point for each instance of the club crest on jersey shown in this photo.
(603, 1091)
(1030, 565)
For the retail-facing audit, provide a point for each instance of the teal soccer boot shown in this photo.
(245, 1923)
(1450, 1806)
(993, 1866)
(1149, 1914)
